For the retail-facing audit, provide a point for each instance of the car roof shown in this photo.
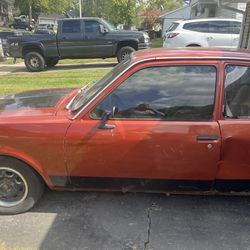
(83, 18)
(190, 53)
(207, 20)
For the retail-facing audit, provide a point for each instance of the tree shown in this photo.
(116, 11)
(38, 6)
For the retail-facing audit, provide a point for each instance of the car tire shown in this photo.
(12, 27)
(34, 62)
(124, 53)
(51, 62)
(20, 186)
(193, 45)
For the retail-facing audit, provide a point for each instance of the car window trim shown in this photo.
(74, 117)
(159, 119)
(223, 117)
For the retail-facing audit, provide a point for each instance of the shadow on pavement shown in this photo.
(91, 220)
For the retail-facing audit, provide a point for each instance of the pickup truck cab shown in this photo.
(77, 38)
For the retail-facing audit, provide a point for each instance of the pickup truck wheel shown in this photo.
(34, 62)
(51, 62)
(20, 187)
(124, 53)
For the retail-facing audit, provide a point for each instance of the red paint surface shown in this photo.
(55, 145)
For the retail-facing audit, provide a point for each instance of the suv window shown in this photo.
(169, 93)
(235, 27)
(71, 26)
(197, 26)
(172, 27)
(237, 92)
(92, 29)
(221, 27)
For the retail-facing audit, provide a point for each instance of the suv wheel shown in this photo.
(34, 62)
(51, 62)
(20, 187)
(124, 53)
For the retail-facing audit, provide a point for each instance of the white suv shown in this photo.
(223, 33)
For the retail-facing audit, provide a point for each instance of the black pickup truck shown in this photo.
(77, 38)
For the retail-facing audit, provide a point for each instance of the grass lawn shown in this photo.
(14, 83)
(10, 61)
(5, 28)
(157, 42)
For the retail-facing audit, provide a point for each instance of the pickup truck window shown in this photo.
(92, 29)
(168, 93)
(237, 92)
(71, 26)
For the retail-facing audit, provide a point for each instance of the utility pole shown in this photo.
(30, 11)
(80, 8)
(245, 29)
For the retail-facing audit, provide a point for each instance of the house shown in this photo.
(217, 8)
(175, 15)
(6, 8)
(49, 18)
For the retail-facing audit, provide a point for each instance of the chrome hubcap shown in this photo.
(34, 62)
(125, 55)
(13, 187)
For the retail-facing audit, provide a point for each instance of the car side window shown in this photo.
(220, 27)
(237, 92)
(92, 29)
(235, 27)
(71, 26)
(197, 26)
(163, 93)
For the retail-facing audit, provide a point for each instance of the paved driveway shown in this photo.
(20, 67)
(90, 220)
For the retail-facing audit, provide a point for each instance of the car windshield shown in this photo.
(88, 91)
(110, 26)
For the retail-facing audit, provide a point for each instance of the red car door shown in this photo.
(163, 133)
(234, 168)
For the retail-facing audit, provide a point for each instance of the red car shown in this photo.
(163, 121)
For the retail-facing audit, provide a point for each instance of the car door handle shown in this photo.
(210, 38)
(207, 137)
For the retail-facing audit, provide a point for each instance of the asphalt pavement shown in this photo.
(117, 221)
(6, 69)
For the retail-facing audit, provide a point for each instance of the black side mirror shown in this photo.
(106, 116)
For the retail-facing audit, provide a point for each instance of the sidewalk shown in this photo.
(6, 69)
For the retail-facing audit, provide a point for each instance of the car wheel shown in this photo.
(12, 27)
(20, 186)
(34, 62)
(51, 62)
(124, 53)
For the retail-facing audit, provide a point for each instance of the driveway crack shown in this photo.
(146, 244)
